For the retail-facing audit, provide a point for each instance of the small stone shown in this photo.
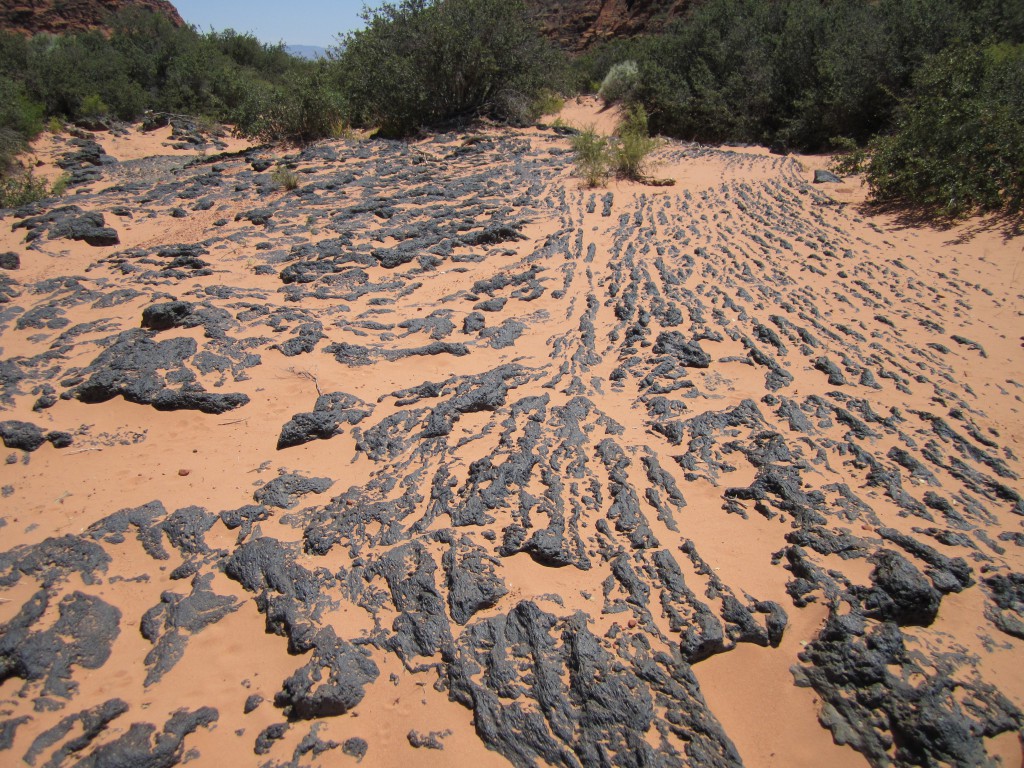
(355, 747)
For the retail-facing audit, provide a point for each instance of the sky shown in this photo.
(295, 22)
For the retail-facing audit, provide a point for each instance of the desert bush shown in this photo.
(424, 62)
(958, 143)
(11, 143)
(850, 157)
(93, 106)
(20, 121)
(620, 84)
(592, 157)
(246, 51)
(22, 188)
(145, 63)
(60, 185)
(547, 103)
(18, 113)
(630, 155)
(783, 70)
(627, 154)
(307, 108)
(588, 70)
(13, 54)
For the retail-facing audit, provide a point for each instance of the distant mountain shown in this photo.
(59, 16)
(306, 51)
(576, 25)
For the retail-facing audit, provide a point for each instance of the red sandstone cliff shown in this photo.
(60, 16)
(577, 24)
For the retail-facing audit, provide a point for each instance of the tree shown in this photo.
(958, 144)
(420, 63)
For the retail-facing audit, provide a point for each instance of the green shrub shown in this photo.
(634, 121)
(592, 157)
(590, 68)
(621, 83)
(784, 70)
(20, 122)
(145, 63)
(547, 103)
(11, 143)
(958, 144)
(18, 112)
(307, 108)
(93, 106)
(63, 71)
(424, 62)
(21, 189)
(850, 158)
(630, 154)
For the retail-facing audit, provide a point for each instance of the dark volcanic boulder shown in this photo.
(161, 317)
(21, 434)
(284, 491)
(69, 222)
(1006, 610)
(139, 368)
(143, 747)
(310, 693)
(205, 402)
(901, 593)
(689, 353)
(861, 673)
(89, 227)
(82, 636)
(330, 413)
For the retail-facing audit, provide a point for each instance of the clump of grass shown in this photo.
(631, 153)
(593, 159)
(342, 131)
(626, 155)
(631, 156)
(285, 178)
(60, 186)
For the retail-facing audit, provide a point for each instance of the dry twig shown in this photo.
(309, 376)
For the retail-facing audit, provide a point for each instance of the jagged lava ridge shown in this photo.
(439, 456)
